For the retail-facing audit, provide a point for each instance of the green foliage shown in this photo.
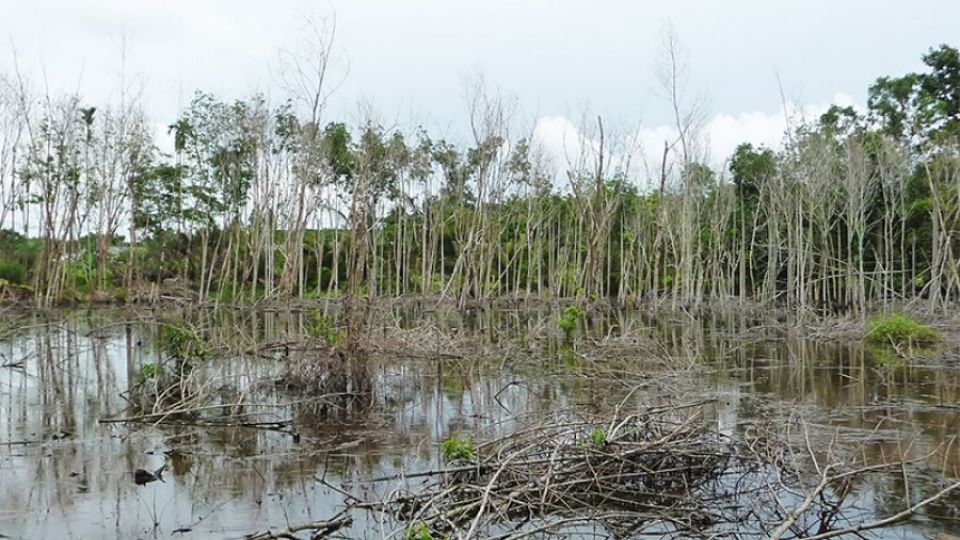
(751, 168)
(598, 437)
(884, 356)
(921, 107)
(119, 294)
(420, 531)
(183, 343)
(13, 272)
(162, 196)
(456, 449)
(437, 223)
(569, 318)
(337, 143)
(82, 271)
(898, 329)
(324, 327)
(149, 372)
(19, 255)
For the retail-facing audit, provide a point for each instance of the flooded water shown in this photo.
(67, 459)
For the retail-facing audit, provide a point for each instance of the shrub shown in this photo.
(598, 437)
(148, 372)
(419, 531)
(568, 319)
(183, 343)
(13, 272)
(324, 327)
(884, 356)
(454, 449)
(898, 329)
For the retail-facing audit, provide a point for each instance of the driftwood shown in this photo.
(661, 472)
(318, 529)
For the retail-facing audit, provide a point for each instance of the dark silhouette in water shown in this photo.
(142, 477)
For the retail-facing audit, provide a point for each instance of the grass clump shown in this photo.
(598, 437)
(899, 329)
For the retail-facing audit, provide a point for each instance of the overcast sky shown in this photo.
(408, 58)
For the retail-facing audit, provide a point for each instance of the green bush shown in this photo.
(183, 343)
(19, 257)
(898, 329)
(568, 319)
(598, 437)
(148, 372)
(454, 449)
(325, 327)
(13, 271)
(419, 531)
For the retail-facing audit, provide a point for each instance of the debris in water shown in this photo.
(142, 477)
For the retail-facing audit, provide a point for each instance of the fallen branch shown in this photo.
(321, 529)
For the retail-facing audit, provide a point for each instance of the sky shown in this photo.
(748, 61)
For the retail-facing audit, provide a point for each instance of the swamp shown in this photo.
(286, 313)
(494, 421)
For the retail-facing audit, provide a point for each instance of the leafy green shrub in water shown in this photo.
(454, 449)
(598, 437)
(420, 531)
(324, 327)
(148, 372)
(898, 329)
(120, 294)
(568, 319)
(182, 342)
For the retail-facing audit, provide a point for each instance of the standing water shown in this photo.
(258, 455)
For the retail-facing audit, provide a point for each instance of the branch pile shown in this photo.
(662, 472)
(650, 469)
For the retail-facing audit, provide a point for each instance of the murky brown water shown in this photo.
(65, 473)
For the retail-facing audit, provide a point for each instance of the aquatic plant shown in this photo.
(166, 384)
(568, 319)
(420, 531)
(324, 327)
(899, 329)
(149, 372)
(598, 437)
(455, 449)
(183, 342)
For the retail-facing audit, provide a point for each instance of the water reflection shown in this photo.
(72, 475)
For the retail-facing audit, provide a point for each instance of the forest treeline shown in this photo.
(260, 202)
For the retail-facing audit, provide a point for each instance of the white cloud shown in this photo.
(559, 139)
(725, 132)
(562, 141)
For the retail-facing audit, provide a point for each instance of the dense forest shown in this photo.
(258, 201)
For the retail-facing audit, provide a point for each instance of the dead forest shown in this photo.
(258, 320)
(259, 201)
